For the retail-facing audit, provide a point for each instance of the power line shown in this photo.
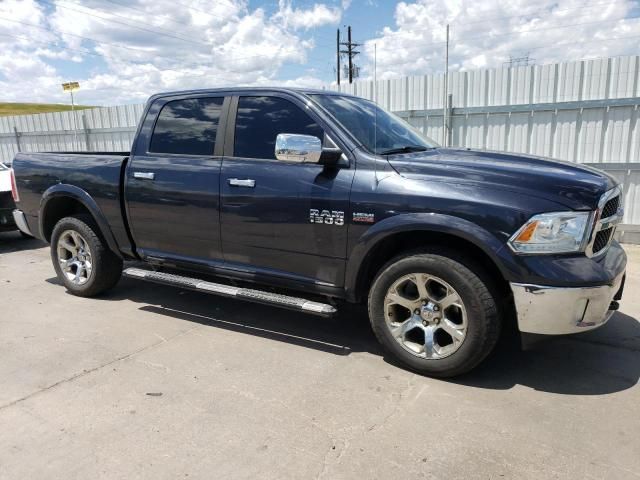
(89, 52)
(181, 70)
(478, 37)
(546, 10)
(58, 5)
(51, 30)
(147, 13)
(228, 2)
(595, 40)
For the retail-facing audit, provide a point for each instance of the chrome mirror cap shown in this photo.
(291, 147)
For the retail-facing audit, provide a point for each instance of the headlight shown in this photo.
(558, 232)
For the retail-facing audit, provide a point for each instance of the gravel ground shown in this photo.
(155, 382)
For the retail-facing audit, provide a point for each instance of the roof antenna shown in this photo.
(375, 111)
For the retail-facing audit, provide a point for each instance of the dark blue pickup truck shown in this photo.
(273, 191)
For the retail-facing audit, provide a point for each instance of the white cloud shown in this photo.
(124, 50)
(132, 49)
(484, 34)
(317, 16)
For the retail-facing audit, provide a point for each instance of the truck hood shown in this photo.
(576, 186)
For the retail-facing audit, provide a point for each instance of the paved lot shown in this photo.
(155, 382)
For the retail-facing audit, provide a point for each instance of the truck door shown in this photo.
(172, 181)
(269, 208)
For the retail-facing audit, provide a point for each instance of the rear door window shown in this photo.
(187, 127)
(259, 121)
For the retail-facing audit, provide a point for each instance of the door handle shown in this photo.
(144, 175)
(237, 182)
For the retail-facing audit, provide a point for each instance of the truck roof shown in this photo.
(304, 91)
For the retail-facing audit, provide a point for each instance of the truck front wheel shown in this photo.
(434, 313)
(81, 259)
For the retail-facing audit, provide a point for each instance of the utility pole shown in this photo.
(445, 99)
(70, 87)
(338, 56)
(525, 61)
(350, 52)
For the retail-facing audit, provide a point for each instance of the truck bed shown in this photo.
(99, 174)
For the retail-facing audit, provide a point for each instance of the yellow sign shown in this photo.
(70, 86)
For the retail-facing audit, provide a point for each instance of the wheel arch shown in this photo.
(411, 232)
(64, 200)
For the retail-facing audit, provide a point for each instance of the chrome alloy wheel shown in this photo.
(425, 315)
(74, 257)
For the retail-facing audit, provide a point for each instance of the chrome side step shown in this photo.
(248, 294)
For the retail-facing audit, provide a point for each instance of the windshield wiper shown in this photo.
(405, 149)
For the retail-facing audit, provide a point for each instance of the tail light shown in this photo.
(14, 187)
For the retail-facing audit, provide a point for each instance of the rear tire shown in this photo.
(81, 258)
(435, 312)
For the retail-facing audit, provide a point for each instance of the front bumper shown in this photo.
(562, 310)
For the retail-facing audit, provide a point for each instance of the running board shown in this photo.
(248, 294)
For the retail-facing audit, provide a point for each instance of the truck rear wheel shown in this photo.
(83, 262)
(434, 313)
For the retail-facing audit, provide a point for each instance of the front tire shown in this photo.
(81, 259)
(435, 312)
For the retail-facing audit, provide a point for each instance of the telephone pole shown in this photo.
(445, 100)
(350, 52)
(338, 56)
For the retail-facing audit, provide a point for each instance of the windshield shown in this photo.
(376, 129)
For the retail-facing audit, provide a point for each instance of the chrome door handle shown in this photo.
(144, 175)
(237, 182)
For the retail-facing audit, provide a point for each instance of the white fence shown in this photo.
(584, 111)
(97, 129)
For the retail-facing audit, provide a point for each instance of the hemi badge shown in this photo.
(363, 217)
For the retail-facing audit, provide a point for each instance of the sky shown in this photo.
(122, 51)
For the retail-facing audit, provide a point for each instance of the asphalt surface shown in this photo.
(155, 382)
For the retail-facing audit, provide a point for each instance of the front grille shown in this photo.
(602, 239)
(611, 207)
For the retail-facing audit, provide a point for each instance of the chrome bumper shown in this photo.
(21, 222)
(558, 310)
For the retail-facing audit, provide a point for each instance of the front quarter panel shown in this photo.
(486, 217)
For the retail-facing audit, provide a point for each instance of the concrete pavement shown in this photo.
(154, 382)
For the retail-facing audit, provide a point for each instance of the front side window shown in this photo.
(261, 119)
(378, 130)
(187, 127)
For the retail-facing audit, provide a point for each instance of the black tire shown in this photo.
(474, 289)
(106, 265)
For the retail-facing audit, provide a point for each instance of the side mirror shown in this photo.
(291, 147)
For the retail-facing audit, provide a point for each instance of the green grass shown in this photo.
(30, 108)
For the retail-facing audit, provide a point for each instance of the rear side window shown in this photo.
(187, 127)
(261, 119)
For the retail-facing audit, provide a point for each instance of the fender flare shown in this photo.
(81, 196)
(424, 222)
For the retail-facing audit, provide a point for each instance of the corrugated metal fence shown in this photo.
(97, 129)
(583, 111)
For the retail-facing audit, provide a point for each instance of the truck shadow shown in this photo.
(15, 242)
(603, 361)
